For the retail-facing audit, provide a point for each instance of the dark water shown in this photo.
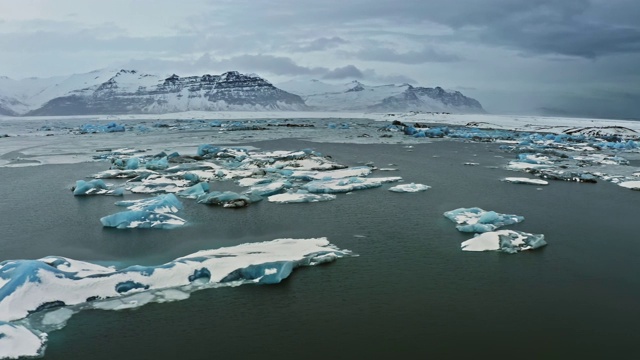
(410, 293)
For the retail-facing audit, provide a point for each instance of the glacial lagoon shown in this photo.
(410, 291)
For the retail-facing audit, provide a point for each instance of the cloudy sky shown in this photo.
(572, 57)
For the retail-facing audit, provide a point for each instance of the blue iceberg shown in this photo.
(37, 296)
(168, 203)
(151, 213)
(269, 189)
(346, 184)
(228, 199)
(300, 196)
(479, 221)
(507, 241)
(195, 191)
(95, 187)
(142, 220)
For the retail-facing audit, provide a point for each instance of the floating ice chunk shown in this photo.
(413, 187)
(268, 189)
(227, 199)
(57, 287)
(194, 191)
(301, 196)
(95, 187)
(480, 221)
(142, 219)
(108, 128)
(168, 203)
(507, 241)
(157, 164)
(158, 184)
(520, 165)
(122, 174)
(633, 185)
(523, 180)
(17, 341)
(347, 184)
(561, 175)
(358, 171)
(250, 181)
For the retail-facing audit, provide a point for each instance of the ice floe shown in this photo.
(508, 241)
(633, 185)
(151, 213)
(300, 196)
(523, 180)
(347, 184)
(17, 341)
(37, 296)
(409, 188)
(96, 187)
(479, 221)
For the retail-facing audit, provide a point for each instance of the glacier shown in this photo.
(478, 220)
(37, 296)
(507, 241)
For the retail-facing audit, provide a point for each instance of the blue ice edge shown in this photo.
(39, 296)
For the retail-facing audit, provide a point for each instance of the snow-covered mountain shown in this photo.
(356, 96)
(132, 92)
(128, 91)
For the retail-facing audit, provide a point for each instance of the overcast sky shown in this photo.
(573, 57)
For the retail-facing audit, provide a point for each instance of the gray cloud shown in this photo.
(512, 54)
(320, 44)
(411, 57)
(372, 75)
(586, 28)
(345, 72)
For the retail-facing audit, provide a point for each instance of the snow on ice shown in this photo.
(38, 296)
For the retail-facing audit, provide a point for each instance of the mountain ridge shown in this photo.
(123, 91)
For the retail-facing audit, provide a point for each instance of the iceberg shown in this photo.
(508, 241)
(633, 185)
(228, 199)
(155, 183)
(268, 189)
(152, 213)
(347, 184)
(251, 181)
(358, 171)
(301, 196)
(523, 180)
(142, 219)
(168, 203)
(193, 192)
(413, 187)
(477, 220)
(17, 341)
(95, 187)
(157, 164)
(33, 288)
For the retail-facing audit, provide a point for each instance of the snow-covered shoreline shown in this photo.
(513, 122)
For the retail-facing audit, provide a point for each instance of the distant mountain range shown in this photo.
(131, 92)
